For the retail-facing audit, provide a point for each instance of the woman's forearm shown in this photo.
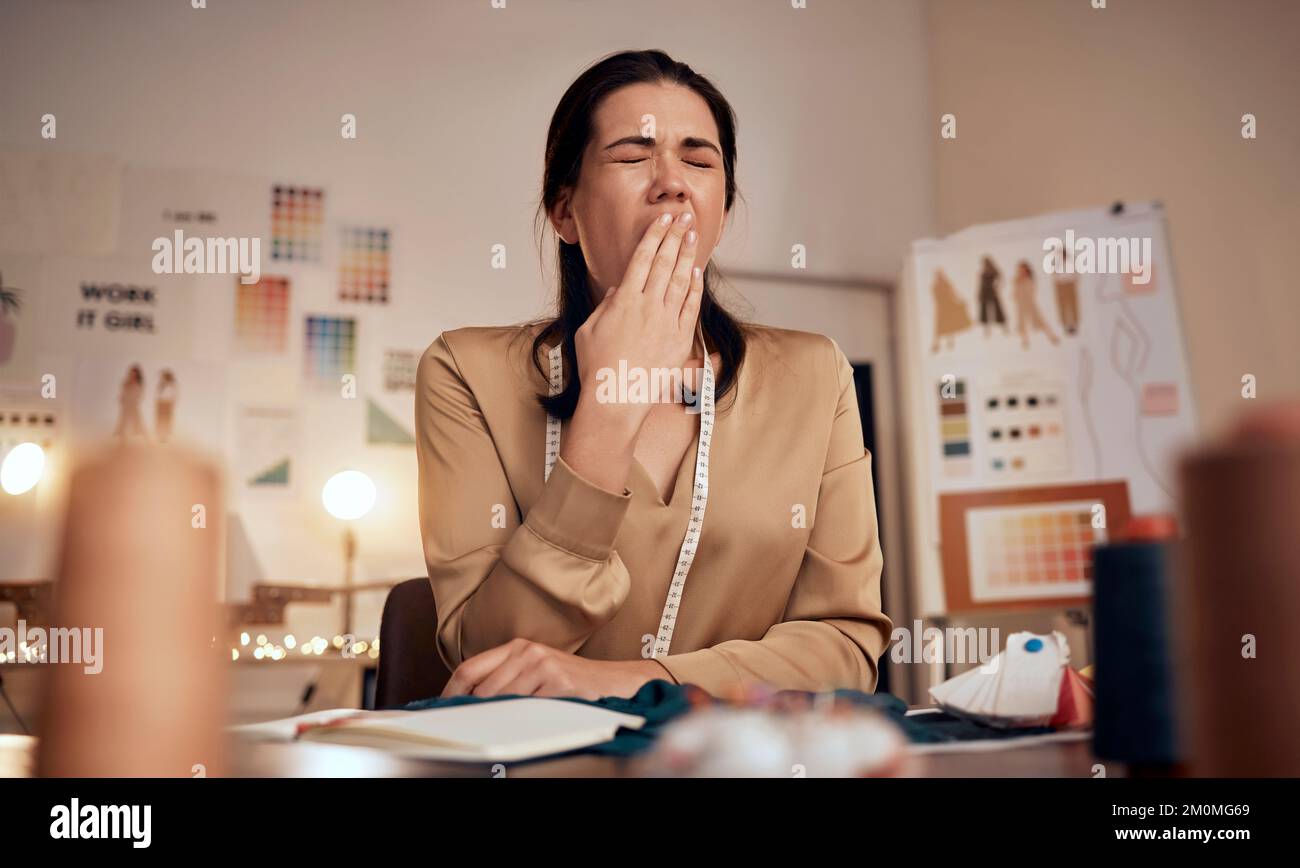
(600, 439)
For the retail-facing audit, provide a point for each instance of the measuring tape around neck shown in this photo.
(699, 491)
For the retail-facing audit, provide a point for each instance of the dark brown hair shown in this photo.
(570, 130)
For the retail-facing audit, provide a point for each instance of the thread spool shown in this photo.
(1136, 709)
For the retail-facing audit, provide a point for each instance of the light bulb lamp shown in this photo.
(347, 496)
(22, 468)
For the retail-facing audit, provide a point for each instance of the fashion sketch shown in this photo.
(1028, 316)
(950, 315)
(990, 304)
(129, 421)
(165, 405)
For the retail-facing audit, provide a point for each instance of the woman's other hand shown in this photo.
(529, 668)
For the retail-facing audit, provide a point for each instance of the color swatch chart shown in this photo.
(297, 215)
(330, 349)
(262, 315)
(1039, 550)
(268, 440)
(1023, 431)
(399, 370)
(954, 427)
(364, 265)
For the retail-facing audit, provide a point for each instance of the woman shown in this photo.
(1067, 293)
(990, 304)
(130, 423)
(1028, 316)
(559, 538)
(165, 405)
(950, 316)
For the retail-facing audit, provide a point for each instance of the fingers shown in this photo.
(502, 676)
(638, 269)
(680, 280)
(691, 304)
(665, 259)
(527, 682)
(474, 669)
(523, 674)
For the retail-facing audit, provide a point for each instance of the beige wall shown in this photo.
(1059, 106)
(1062, 106)
(452, 102)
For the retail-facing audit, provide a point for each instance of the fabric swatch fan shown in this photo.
(1028, 684)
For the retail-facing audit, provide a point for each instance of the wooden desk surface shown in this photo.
(1058, 759)
(268, 760)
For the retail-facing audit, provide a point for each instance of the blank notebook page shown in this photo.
(503, 723)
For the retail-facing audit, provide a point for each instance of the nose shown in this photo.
(668, 185)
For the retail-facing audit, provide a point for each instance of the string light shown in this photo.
(267, 650)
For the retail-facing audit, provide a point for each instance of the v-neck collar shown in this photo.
(688, 460)
(691, 453)
(686, 469)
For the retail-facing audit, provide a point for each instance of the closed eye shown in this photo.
(691, 162)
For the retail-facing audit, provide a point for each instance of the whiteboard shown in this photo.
(1024, 379)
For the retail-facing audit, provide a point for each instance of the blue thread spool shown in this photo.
(1135, 720)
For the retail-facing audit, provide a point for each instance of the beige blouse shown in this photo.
(785, 587)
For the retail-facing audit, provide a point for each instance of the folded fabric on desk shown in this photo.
(660, 702)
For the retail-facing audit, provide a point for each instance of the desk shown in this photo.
(1057, 759)
(273, 760)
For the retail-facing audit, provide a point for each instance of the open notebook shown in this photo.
(500, 730)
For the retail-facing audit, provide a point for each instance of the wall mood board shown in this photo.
(1047, 394)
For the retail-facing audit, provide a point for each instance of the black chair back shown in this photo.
(409, 665)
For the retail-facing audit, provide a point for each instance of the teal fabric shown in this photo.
(660, 702)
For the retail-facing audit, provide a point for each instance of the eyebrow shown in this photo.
(688, 143)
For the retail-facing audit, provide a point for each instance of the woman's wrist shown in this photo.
(599, 443)
(616, 422)
(642, 672)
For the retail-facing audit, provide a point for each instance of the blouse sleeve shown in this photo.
(833, 630)
(553, 577)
